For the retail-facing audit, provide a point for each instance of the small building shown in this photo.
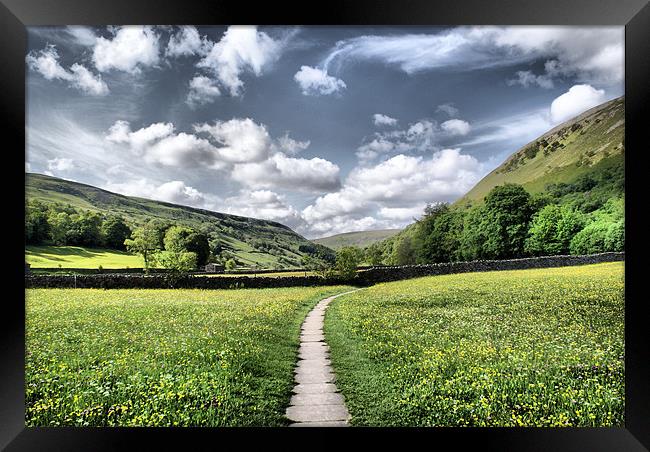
(213, 268)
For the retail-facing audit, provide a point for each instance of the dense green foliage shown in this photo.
(162, 357)
(63, 225)
(540, 347)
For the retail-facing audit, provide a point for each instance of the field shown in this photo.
(78, 257)
(162, 357)
(360, 239)
(515, 348)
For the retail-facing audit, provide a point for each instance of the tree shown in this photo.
(180, 262)
(403, 252)
(347, 261)
(177, 256)
(114, 232)
(59, 226)
(552, 229)
(437, 237)
(37, 228)
(231, 264)
(374, 254)
(197, 242)
(145, 242)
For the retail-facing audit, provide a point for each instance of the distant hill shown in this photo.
(592, 140)
(360, 238)
(250, 241)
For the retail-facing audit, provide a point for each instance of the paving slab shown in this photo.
(314, 388)
(318, 413)
(320, 424)
(317, 398)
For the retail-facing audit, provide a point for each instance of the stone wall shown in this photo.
(367, 277)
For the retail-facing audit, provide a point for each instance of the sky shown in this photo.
(324, 129)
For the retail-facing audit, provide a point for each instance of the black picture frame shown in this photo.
(16, 15)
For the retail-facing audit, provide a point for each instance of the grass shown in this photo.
(79, 257)
(601, 138)
(162, 357)
(540, 347)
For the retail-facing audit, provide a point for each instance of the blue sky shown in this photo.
(325, 129)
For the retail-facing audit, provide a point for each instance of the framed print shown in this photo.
(407, 217)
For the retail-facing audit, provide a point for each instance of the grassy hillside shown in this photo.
(360, 238)
(574, 148)
(240, 236)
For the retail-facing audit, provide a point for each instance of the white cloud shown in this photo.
(402, 213)
(175, 191)
(383, 120)
(187, 42)
(263, 204)
(456, 127)
(131, 49)
(157, 143)
(241, 49)
(397, 187)
(60, 164)
(46, 62)
(82, 35)
(280, 171)
(242, 140)
(202, 91)
(291, 146)
(448, 108)
(527, 78)
(592, 54)
(315, 82)
(578, 99)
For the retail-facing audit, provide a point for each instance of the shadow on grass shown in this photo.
(49, 252)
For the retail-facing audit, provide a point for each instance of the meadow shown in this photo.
(162, 357)
(540, 347)
(80, 257)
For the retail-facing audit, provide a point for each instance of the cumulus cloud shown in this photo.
(281, 171)
(241, 140)
(578, 99)
(400, 185)
(60, 164)
(420, 136)
(264, 204)
(316, 82)
(290, 146)
(592, 54)
(187, 42)
(456, 127)
(175, 191)
(448, 109)
(157, 143)
(527, 78)
(202, 91)
(242, 49)
(383, 120)
(46, 62)
(130, 49)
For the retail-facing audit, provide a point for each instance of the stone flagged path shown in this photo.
(316, 401)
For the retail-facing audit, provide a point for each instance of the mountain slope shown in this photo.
(360, 238)
(594, 138)
(250, 241)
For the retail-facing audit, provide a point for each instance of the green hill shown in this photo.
(591, 141)
(360, 238)
(266, 244)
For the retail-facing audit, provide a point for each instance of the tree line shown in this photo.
(510, 223)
